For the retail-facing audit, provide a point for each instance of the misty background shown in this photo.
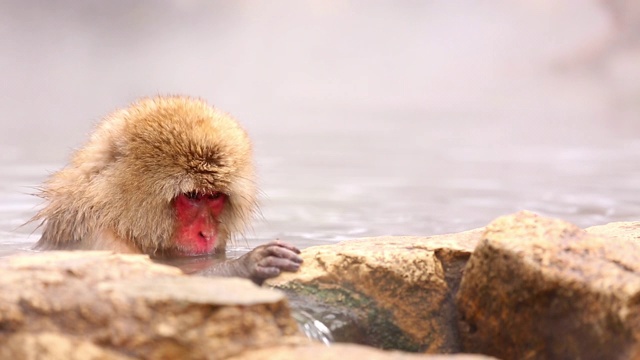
(368, 117)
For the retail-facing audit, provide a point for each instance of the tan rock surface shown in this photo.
(343, 351)
(398, 291)
(127, 304)
(540, 288)
(51, 346)
(625, 230)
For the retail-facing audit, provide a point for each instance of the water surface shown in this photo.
(385, 118)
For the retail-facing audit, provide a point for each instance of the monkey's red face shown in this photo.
(198, 219)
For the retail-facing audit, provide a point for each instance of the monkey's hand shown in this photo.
(268, 260)
(263, 262)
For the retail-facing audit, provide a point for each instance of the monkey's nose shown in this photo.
(207, 236)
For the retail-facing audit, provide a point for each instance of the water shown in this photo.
(385, 118)
(313, 328)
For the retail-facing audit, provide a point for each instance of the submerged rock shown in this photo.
(389, 292)
(101, 305)
(540, 288)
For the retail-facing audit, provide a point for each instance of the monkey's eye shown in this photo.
(214, 195)
(193, 195)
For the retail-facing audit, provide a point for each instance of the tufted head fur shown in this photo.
(120, 187)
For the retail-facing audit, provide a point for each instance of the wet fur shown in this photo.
(117, 192)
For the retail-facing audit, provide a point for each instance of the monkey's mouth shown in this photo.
(189, 251)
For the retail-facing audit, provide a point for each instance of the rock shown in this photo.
(540, 288)
(534, 288)
(51, 346)
(389, 292)
(129, 306)
(629, 230)
(343, 351)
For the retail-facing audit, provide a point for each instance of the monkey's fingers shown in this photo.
(280, 263)
(262, 273)
(283, 244)
(284, 253)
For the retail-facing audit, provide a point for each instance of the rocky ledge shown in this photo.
(539, 288)
(390, 292)
(525, 286)
(98, 305)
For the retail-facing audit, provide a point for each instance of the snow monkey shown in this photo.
(168, 177)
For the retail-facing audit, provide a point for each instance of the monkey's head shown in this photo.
(170, 175)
